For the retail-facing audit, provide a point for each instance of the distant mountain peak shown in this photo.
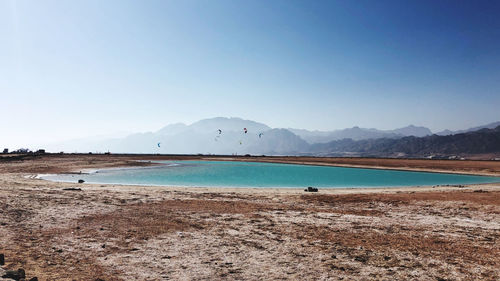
(412, 130)
(487, 126)
(228, 124)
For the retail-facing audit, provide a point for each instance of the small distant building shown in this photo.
(41, 151)
(5, 150)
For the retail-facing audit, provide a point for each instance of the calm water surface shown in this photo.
(254, 174)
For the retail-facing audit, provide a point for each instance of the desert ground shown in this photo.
(71, 231)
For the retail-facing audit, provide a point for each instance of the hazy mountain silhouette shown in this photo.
(477, 142)
(203, 137)
(487, 126)
(173, 129)
(200, 137)
(278, 142)
(416, 131)
(357, 133)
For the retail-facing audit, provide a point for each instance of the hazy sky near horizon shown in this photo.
(70, 69)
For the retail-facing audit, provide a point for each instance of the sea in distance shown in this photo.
(266, 175)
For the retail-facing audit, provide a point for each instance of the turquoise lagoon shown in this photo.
(265, 175)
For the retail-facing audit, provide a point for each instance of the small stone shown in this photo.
(73, 188)
(2, 259)
(361, 259)
(81, 181)
(15, 274)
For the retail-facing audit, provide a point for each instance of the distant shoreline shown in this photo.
(466, 167)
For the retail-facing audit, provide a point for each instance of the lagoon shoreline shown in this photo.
(68, 231)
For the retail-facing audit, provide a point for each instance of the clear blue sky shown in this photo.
(79, 68)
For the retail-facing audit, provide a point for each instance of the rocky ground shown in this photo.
(70, 231)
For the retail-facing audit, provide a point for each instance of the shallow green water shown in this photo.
(254, 174)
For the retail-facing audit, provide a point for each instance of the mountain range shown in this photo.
(231, 136)
(483, 141)
(357, 133)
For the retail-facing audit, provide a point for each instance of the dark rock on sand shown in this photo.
(311, 189)
(81, 181)
(15, 274)
(362, 259)
(2, 259)
(73, 188)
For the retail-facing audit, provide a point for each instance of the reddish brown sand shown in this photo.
(159, 233)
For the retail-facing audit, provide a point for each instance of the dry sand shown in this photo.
(115, 232)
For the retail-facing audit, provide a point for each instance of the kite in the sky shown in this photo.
(245, 130)
(220, 131)
(159, 144)
(260, 135)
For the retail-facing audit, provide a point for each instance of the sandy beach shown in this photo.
(71, 231)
